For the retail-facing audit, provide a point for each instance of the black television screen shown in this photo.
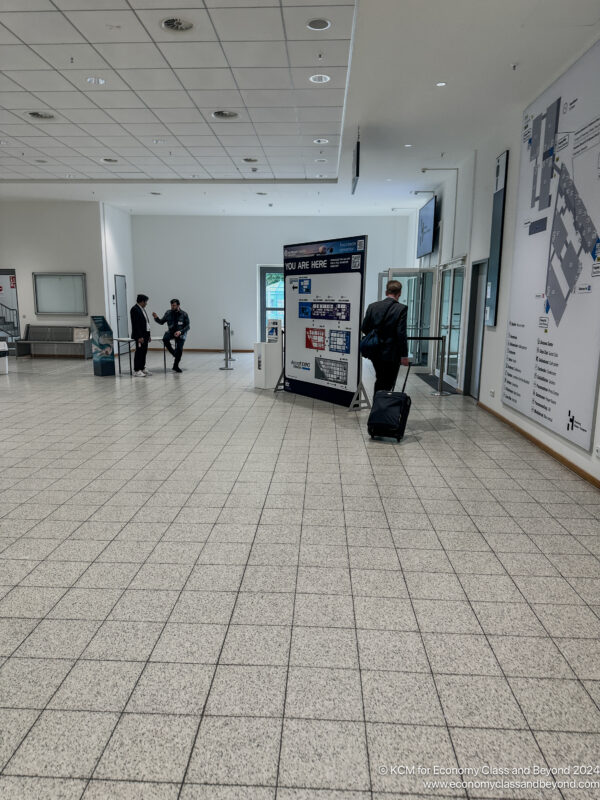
(355, 167)
(426, 228)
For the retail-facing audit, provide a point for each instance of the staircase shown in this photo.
(9, 325)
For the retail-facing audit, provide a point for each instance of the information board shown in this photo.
(323, 313)
(551, 364)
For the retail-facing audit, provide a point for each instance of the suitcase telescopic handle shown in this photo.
(406, 376)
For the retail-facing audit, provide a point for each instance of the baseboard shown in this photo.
(564, 461)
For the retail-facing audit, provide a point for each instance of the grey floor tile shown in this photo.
(316, 693)
(130, 790)
(263, 608)
(324, 647)
(433, 586)
(85, 604)
(392, 650)
(12, 632)
(508, 619)
(143, 605)
(234, 750)
(460, 654)
(324, 580)
(104, 576)
(445, 616)
(401, 697)
(30, 682)
(14, 724)
(257, 645)
(150, 747)
(384, 613)
(247, 691)
(124, 640)
(566, 749)
(322, 610)
(583, 656)
(171, 689)
(63, 744)
(38, 788)
(97, 686)
(477, 701)
(190, 643)
(560, 705)
(58, 638)
(29, 601)
(215, 577)
(530, 657)
(323, 754)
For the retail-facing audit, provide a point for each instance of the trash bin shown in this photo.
(3, 358)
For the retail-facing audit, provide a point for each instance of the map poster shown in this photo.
(553, 336)
(323, 312)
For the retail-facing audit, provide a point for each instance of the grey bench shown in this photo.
(55, 340)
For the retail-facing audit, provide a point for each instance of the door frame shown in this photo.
(451, 266)
(117, 305)
(263, 270)
(401, 274)
(472, 334)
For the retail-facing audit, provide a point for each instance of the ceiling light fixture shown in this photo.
(441, 83)
(176, 24)
(40, 115)
(319, 79)
(408, 145)
(321, 141)
(158, 141)
(320, 161)
(262, 194)
(108, 160)
(95, 81)
(222, 114)
(156, 194)
(40, 161)
(249, 160)
(318, 24)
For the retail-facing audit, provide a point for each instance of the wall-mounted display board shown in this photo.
(323, 313)
(60, 293)
(551, 367)
(493, 275)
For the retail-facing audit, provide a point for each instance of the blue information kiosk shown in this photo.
(103, 353)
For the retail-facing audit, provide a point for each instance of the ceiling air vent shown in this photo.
(40, 115)
(176, 24)
(225, 114)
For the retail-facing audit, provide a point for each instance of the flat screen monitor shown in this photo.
(355, 167)
(426, 228)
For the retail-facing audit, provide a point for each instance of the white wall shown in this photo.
(117, 251)
(210, 263)
(507, 136)
(52, 237)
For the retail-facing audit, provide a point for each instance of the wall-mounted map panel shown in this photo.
(553, 337)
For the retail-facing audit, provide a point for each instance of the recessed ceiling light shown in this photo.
(156, 194)
(388, 180)
(441, 83)
(40, 161)
(321, 141)
(40, 114)
(319, 79)
(408, 145)
(158, 141)
(250, 160)
(225, 114)
(108, 160)
(176, 24)
(318, 24)
(320, 161)
(262, 194)
(95, 81)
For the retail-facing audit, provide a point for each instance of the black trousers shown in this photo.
(139, 359)
(178, 351)
(386, 373)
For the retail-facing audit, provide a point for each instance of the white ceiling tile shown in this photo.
(181, 4)
(280, 141)
(202, 31)
(277, 128)
(294, 98)
(6, 37)
(307, 141)
(101, 129)
(169, 115)
(86, 115)
(239, 3)
(132, 115)
(155, 129)
(36, 141)
(118, 141)
(207, 152)
(324, 114)
(273, 114)
(47, 27)
(194, 54)
(193, 174)
(138, 55)
(320, 128)
(217, 100)
(151, 79)
(199, 141)
(239, 141)
(40, 80)
(79, 78)
(19, 56)
(251, 24)
(79, 142)
(61, 130)
(173, 161)
(13, 129)
(263, 78)
(144, 160)
(237, 129)
(120, 100)
(296, 17)
(177, 99)
(216, 161)
(323, 54)
(73, 56)
(206, 79)
(189, 129)
(75, 5)
(114, 26)
(130, 153)
(223, 174)
(256, 54)
(235, 151)
(162, 144)
(17, 100)
(72, 99)
(311, 3)
(301, 75)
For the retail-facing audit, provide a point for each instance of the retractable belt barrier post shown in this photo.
(227, 344)
(440, 392)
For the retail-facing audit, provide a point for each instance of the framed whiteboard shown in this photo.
(61, 293)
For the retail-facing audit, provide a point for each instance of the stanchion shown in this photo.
(226, 344)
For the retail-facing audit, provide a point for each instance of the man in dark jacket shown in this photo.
(140, 331)
(388, 316)
(179, 324)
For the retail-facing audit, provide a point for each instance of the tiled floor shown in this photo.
(212, 592)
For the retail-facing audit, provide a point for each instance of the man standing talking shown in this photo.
(388, 317)
(140, 331)
(178, 323)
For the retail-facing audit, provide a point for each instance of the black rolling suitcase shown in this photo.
(389, 413)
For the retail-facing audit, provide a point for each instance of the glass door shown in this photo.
(450, 321)
(416, 295)
(271, 297)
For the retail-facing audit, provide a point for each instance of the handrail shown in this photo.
(12, 316)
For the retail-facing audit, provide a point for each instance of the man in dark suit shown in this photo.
(140, 331)
(388, 316)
